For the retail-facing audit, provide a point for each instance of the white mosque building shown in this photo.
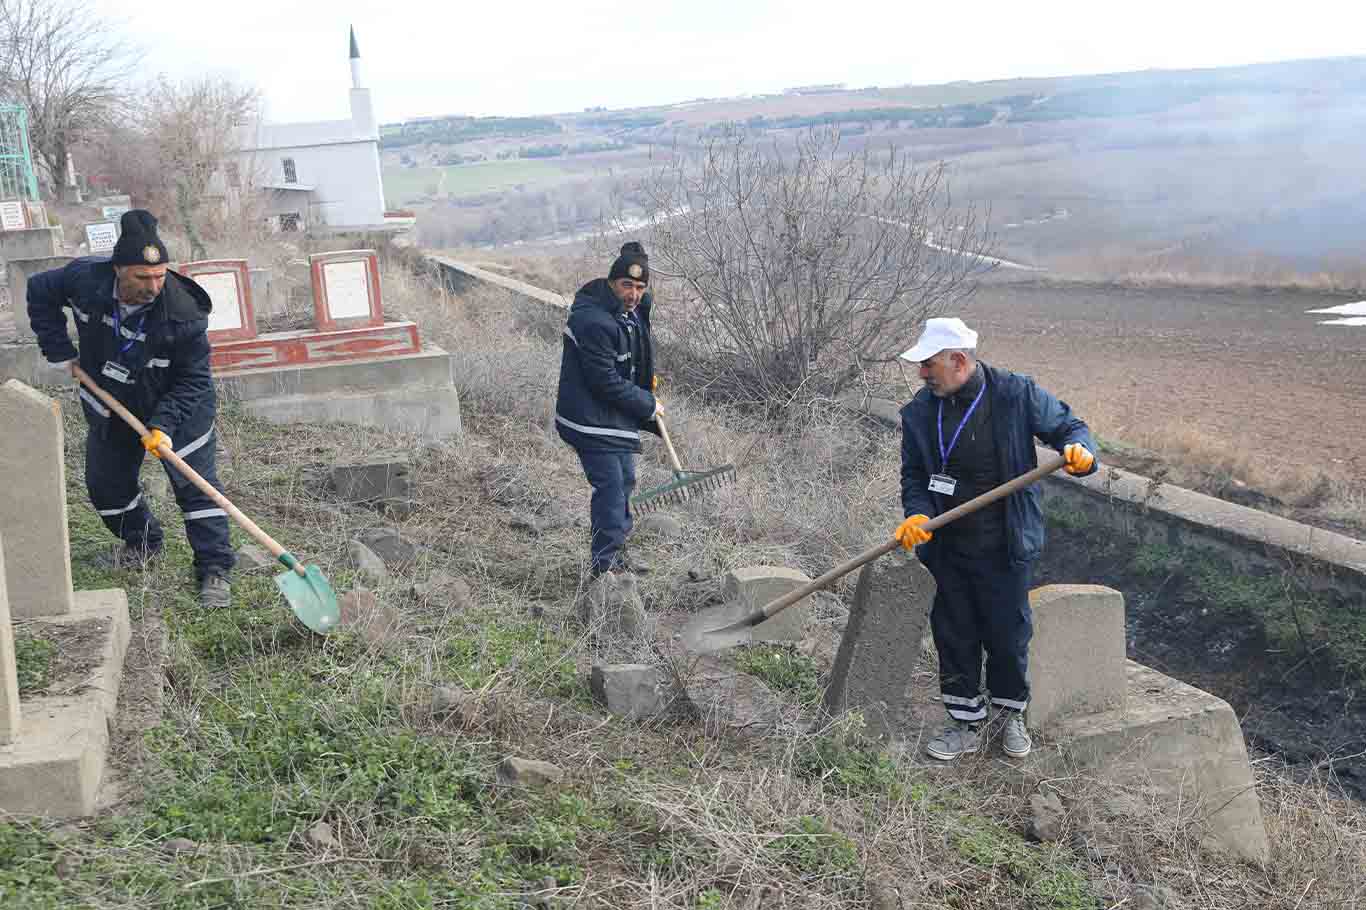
(320, 176)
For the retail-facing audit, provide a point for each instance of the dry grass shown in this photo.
(662, 814)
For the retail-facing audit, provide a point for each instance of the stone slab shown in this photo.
(457, 273)
(755, 586)
(881, 647)
(1076, 657)
(378, 476)
(1183, 743)
(33, 502)
(429, 369)
(55, 767)
(278, 349)
(10, 718)
(20, 271)
(632, 691)
(26, 363)
(30, 243)
(431, 413)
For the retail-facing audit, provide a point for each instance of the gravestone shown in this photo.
(346, 290)
(880, 650)
(228, 284)
(1076, 657)
(33, 504)
(20, 271)
(9, 677)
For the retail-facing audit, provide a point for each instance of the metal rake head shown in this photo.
(683, 487)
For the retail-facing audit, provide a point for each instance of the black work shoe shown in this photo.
(215, 593)
(122, 556)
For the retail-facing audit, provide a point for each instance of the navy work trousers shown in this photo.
(113, 458)
(612, 474)
(981, 604)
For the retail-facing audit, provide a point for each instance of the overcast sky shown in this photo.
(536, 57)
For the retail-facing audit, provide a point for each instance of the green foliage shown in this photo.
(285, 748)
(846, 765)
(538, 658)
(783, 669)
(811, 847)
(33, 660)
(1037, 874)
(28, 872)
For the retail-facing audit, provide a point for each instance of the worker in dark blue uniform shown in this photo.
(969, 430)
(606, 397)
(143, 334)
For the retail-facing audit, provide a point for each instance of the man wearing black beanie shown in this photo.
(606, 396)
(144, 338)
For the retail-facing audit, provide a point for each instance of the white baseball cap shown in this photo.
(941, 333)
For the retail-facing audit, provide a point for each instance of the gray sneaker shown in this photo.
(958, 738)
(214, 592)
(1015, 738)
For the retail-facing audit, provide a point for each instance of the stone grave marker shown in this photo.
(33, 502)
(228, 283)
(9, 678)
(880, 650)
(346, 290)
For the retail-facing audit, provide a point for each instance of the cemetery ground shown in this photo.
(368, 769)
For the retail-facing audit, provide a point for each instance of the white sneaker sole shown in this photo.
(947, 756)
(1014, 754)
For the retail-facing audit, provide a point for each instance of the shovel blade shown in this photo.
(719, 628)
(311, 598)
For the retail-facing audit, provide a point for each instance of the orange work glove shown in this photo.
(153, 441)
(910, 534)
(1079, 458)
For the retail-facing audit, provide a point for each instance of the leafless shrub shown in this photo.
(800, 265)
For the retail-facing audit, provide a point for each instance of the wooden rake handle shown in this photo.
(668, 444)
(844, 568)
(191, 474)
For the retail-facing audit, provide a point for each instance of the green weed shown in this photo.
(784, 670)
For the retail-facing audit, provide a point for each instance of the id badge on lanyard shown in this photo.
(942, 483)
(114, 369)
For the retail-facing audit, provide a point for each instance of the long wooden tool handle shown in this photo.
(972, 505)
(668, 444)
(192, 475)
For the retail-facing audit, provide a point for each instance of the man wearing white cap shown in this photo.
(971, 428)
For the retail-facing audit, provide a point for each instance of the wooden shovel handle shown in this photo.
(191, 474)
(844, 568)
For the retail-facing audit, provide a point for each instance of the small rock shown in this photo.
(373, 479)
(631, 691)
(523, 522)
(1153, 897)
(367, 562)
(320, 835)
(389, 545)
(821, 645)
(397, 509)
(525, 772)
(1046, 817)
(660, 525)
(177, 845)
(362, 613)
(253, 557)
(612, 606)
(442, 585)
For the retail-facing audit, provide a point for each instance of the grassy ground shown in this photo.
(268, 731)
(403, 185)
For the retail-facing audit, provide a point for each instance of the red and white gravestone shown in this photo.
(228, 283)
(346, 290)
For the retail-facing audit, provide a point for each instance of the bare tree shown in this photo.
(801, 265)
(64, 65)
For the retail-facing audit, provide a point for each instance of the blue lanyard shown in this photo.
(943, 452)
(118, 329)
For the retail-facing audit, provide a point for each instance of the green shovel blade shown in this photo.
(311, 598)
